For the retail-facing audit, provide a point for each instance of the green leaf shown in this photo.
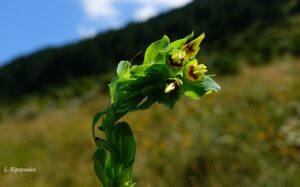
(179, 43)
(107, 146)
(151, 90)
(170, 99)
(162, 70)
(123, 69)
(110, 169)
(145, 105)
(134, 84)
(195, 90)
(124, 179)
(153, 50)
(130, 100)
(109, 119)
(152, 94)
(112, 88)
(139, 71)
(96, 118)
(125, 142)
(210, 84)
(99, 158)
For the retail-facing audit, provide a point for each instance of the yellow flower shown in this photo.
(176, 58)
(191, 49)
(194, 71)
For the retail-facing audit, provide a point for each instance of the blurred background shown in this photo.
(57, 58)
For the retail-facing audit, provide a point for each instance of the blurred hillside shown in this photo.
(246, 135)
(237, 31)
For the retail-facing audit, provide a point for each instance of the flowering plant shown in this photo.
(169, 70)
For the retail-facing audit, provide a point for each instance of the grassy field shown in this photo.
(246, 135)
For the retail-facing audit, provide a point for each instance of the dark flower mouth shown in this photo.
(174, 63)
(194, 71)
(189, 49)
(176, 59)
(192, 74)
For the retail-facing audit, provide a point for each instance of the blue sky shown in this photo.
(28, 25)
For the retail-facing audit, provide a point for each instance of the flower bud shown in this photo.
(191, 49)
(172, 85)
(176, 58)
(194, 71)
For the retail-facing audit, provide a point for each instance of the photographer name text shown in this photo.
(19, 170)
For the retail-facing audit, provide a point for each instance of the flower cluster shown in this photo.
(169, 70)
(181, 58)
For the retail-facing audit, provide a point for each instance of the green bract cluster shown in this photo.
(169, 71)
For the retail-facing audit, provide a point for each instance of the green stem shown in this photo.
(114, 167)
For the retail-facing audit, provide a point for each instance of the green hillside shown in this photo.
(247, 135)
(235, 30)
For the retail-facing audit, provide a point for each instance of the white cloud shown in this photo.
(100, 8)
(150, 8)
(173, 3)
(145, 12)
(167, 3)
(86, 32)
(111, 15)
(106, 8)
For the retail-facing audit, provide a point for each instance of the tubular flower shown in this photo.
(176, 58)
(191, 49)
(172, 85)
(194, 71)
